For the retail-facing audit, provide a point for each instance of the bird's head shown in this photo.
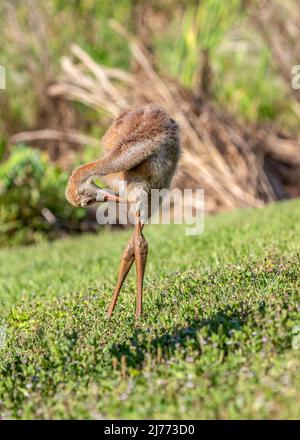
(81, 191)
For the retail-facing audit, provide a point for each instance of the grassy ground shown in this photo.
(218, 338)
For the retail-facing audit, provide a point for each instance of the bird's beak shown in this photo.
(85, 202)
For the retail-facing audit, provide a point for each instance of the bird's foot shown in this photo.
(105, 196)
(90, 193)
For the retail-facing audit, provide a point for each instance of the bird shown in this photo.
(142, 149)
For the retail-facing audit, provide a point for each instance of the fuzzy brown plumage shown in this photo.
(142, 149)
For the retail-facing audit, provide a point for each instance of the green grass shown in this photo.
(218, 338)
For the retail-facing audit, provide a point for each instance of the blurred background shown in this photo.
(222, 69)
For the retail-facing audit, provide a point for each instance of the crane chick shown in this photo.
(142, 149)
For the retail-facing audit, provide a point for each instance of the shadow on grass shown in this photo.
(165, 345)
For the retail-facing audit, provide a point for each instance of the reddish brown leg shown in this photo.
(125, 265)
(140, 248)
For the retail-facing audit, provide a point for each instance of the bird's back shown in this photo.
(142, 150)
(147, 126)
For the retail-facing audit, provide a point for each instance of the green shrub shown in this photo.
(32, 202)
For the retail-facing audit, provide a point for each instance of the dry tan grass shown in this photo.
(220, 155)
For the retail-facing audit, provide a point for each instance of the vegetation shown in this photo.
(220, 334)
(221, 28)
(31, 189)
(210, 53)
(219, 337)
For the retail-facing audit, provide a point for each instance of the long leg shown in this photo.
(125, 265)
(140, 248)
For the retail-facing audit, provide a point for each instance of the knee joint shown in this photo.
(140, 244)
